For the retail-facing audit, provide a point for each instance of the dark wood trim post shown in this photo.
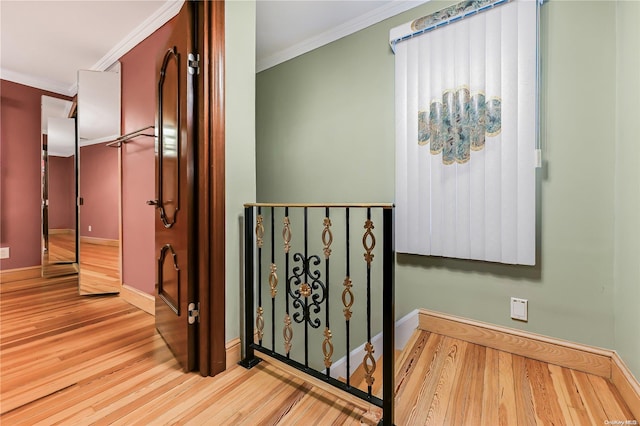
(210, 192)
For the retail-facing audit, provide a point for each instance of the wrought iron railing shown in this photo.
(312, 249)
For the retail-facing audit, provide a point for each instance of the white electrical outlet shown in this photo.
(4, 253)
(89, 228)
(519, 309)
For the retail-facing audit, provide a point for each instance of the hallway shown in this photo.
(68, 359)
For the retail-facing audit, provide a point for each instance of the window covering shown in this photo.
(466, 134)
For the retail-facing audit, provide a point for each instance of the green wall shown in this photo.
(240, 41)
(325, 133)
(627, 190)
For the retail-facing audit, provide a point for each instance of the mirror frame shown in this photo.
(50, 269)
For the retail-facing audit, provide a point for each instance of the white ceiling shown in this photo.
(286, 29)
(44, 43)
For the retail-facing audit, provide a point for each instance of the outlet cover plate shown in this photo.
(4, 253)
(519, 309)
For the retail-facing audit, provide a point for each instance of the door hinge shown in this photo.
(194, 63)
(194, 313)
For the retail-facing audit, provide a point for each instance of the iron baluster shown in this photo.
(259, 241)
(306, 282)
(388, 318)
(347, 291)
(368, 347)
(327, 345)
(287, 332)
(249, 359)
(273, 280)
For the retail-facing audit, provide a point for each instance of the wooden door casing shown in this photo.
(211, 186)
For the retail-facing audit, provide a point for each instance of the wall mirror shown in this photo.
(58, 174)
(99, 182)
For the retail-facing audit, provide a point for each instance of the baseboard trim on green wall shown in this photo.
(626, 383)
(554, 351)
(589, 359)
(233, 352)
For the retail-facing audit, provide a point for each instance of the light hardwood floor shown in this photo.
(69, 359)
(62, 247)
(99, 268)
(99, 263)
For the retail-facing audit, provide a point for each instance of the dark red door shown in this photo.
(175, 219)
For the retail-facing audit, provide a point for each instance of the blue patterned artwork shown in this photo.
(449, 127)
(462, 8)
(477, 115)
(435, 124)
(462, 126)
(424, 132)
(459, 124)
(494, 120)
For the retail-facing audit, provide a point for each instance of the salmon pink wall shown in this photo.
(138, 160)
(20, 163)
(99, 190)
(62, 192)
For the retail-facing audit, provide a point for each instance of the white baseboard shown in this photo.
(405, 327)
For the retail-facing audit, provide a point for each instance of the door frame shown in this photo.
(210, 180)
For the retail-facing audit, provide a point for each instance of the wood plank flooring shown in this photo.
(99, 263)
(99, 268)
(76, 360)
(62, 247)
(445, 381)
(70, 359)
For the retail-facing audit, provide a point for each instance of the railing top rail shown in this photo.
(330, 205)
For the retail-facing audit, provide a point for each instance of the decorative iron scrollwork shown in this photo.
(327, 237)
(273, 280)
(307, 296)
(347, 298)
(369, 242)
(286, 234)
(327, 348)
(260, 323)
(259, 231)
(369, 364)
(305, 290)
(287, 333)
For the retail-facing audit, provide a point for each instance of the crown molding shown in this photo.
(142, 31)
(354, 25)
(37, 82)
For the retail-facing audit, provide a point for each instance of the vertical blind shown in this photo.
(466, 135)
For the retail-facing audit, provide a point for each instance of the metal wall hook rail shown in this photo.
(117, 143)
